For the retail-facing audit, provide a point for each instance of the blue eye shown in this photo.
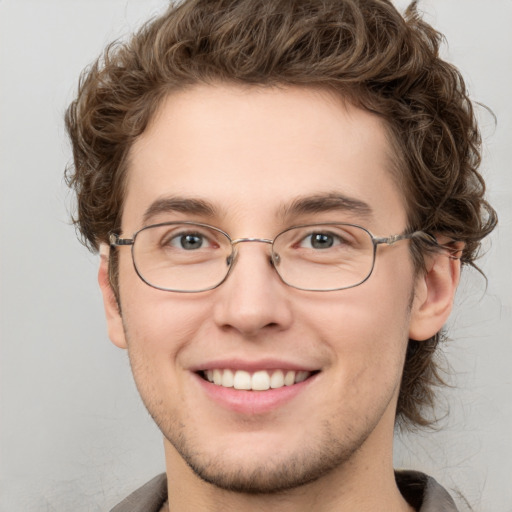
(320, 241)
(188, 241)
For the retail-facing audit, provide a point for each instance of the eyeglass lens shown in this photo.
(193, 257)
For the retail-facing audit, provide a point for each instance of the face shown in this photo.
(251, 154)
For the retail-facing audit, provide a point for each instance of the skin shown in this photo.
(250, 152)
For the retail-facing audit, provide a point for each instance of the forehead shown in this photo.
(253, 153)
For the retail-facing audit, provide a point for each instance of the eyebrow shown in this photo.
(187, 205)
(317, 203)
(320, 203)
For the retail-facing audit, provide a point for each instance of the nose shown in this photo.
(253, 299)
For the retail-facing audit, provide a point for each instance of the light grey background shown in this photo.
(74, 435)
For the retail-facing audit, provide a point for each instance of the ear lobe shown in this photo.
(112, 312)
(434, 295)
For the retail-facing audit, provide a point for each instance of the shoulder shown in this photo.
(423, 492)
(148, 498)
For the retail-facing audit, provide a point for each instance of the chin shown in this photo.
(264, 477)
(259, 468)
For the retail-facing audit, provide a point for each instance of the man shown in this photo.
(282, 194)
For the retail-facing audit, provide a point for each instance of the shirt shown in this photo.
(421, 491)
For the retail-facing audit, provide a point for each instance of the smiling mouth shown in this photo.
(261, 380)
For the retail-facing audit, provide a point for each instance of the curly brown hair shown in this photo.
(364, 50)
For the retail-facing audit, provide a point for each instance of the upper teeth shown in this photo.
(257, 381)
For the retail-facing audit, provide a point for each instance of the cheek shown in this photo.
(365, 347)
(364, 330)
(159, 321)
(154, 318)
(159, 329)
(359, 326)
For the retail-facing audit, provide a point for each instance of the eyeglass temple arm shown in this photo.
(390, 240)
(115, 241)
(453, 252)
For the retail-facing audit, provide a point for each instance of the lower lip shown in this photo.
(253, 402)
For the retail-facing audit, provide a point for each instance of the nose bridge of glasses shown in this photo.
(231, 259)
(243, 240)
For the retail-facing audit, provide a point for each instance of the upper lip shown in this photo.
(252, 365)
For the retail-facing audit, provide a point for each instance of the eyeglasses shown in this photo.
(194, 257)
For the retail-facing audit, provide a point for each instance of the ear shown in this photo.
(112, 312)
(434, 294)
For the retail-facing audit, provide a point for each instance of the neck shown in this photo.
(365, 483)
